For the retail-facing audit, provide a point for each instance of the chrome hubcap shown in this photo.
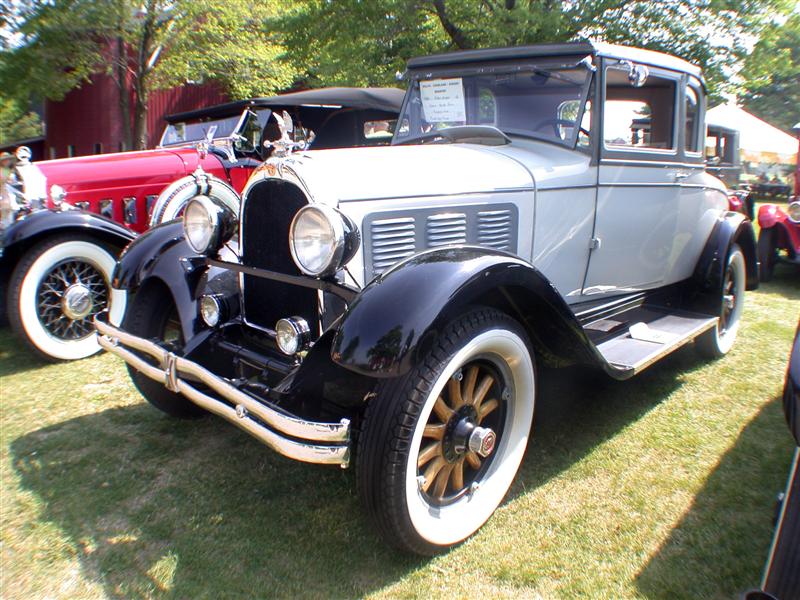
(68, 297)
(482, 441)
(77, 302)
(460, 435)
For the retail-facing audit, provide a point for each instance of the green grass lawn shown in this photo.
(659, 487)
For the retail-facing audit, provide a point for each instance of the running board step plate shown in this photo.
(645, 343)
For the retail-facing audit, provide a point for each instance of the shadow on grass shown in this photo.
(15, 357)
(579, 409)
(785, 282)
(164, 508)
(720, 545)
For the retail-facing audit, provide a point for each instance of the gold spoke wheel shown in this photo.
(475, 390)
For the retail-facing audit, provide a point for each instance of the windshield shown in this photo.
(520, 100)
(190, 132)
(197, 131)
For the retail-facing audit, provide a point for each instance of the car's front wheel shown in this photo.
(152, 315)
(440, 446)
(55, 291)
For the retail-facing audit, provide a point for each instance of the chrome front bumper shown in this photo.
(307, 441)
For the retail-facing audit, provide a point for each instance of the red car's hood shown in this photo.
(124, 169)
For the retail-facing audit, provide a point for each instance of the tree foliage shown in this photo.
(772, 75)
(16, 123)
(144, 46)
(366, 41)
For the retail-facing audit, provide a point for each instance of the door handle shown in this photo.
(681, 175)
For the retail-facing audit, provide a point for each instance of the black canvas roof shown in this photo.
(577, 49)
(386, 99)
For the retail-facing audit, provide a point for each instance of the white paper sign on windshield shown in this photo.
(443, 100)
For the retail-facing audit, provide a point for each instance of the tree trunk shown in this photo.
(140, 119)
(458, 37)
(121, 79)
(142, 75)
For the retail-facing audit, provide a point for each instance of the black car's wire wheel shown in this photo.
(69, 297)
(440, 446)
(55, 292)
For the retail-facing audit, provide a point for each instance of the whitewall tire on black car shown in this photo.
(55, 291)
(440, 446)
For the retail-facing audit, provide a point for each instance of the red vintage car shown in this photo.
(779, 240)
(124, 186)
(56, 264)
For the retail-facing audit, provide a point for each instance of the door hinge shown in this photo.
(595, 243)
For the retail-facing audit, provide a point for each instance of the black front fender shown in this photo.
(396, 318)
(161, 255)
(42, 223)
(145, 257)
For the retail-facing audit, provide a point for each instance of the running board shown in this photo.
(642, 344)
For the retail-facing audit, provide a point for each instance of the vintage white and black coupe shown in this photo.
(541, 205)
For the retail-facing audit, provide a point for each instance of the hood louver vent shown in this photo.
(494, 229)
(447, 229)
(392, 241)
(392, 236)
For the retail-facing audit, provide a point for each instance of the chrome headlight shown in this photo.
(794, 212)
(321, 240)
(207, 224)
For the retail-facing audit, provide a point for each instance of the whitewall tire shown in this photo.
(56, 289)
(440, 447)
(718, 341)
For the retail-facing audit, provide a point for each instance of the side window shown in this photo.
(639, 117)
(568, 113)
(692, 101)
(715, 146)
(379, 131)
(487, 107)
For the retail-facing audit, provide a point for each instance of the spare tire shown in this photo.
(170, 203)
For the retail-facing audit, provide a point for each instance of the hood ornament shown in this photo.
(204, 145)
(285, 144)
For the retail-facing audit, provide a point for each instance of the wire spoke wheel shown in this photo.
(55, 291)
(69, 297)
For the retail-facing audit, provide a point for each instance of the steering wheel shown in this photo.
(556, 123)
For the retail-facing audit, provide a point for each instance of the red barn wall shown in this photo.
(88, 117)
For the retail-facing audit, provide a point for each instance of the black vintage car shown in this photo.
(781, 580)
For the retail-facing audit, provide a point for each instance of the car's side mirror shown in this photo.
(637, 74)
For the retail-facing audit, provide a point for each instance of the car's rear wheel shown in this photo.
(153, 316)
(55, 291)
(767, 253)
(440, 446)
(718, 341)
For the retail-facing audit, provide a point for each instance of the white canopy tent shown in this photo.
(758, 140)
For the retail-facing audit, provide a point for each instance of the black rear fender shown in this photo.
(732, 228)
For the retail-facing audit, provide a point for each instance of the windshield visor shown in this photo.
(520, 100)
